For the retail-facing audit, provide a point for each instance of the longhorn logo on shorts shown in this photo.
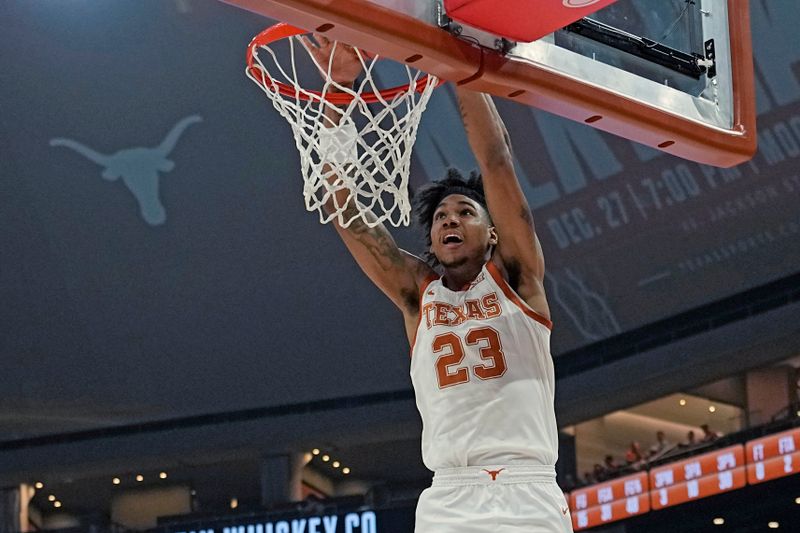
(493, 473)
(579, 3)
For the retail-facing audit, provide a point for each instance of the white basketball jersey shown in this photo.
(483, 376)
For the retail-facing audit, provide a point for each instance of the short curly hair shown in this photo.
(428, 198)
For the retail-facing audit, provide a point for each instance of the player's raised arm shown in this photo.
(518, 249)
(396, 272)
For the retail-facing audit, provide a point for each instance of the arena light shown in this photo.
(39, 485)
(773, 525)
(682, 402)
(711, 408)
(163, 475)
(346, 470)
(51, 498)
(234, 503)
(719, 521)
(336, 464)
(326, 458)
(116, 481)
(315, 451)
(139, 478)
(56, 503)
(797, 500)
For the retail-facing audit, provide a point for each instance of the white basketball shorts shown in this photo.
(493, 499)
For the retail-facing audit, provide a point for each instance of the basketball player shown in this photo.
(478, 324)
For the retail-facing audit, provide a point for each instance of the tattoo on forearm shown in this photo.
(377, 240)
(381, 246)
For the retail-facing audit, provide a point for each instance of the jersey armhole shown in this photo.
(422, 288)
(512, 295)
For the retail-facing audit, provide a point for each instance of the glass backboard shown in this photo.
(675, 75)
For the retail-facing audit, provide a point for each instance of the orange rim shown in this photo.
(284, 31)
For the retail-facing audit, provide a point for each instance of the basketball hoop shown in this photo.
(366, 152)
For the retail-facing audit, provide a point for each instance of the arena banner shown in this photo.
(697, 477)
(694, 489)
(697, 467)
(611, 512)
(618, 498)
(398, 520)
(773, 456)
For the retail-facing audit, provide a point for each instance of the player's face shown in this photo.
(460, 231)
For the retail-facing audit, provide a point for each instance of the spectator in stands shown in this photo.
(599, 473)
(609, 464)
(708, 435)
(634, 454)
(691, 440)
(661, 446)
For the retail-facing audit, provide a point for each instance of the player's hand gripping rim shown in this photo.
(343, 62)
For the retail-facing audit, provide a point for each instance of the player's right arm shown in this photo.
(397, 273)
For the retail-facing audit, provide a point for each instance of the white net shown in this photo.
(358, 164)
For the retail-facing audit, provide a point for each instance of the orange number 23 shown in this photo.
(490, 349)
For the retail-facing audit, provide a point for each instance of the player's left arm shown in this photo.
(518, 252)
